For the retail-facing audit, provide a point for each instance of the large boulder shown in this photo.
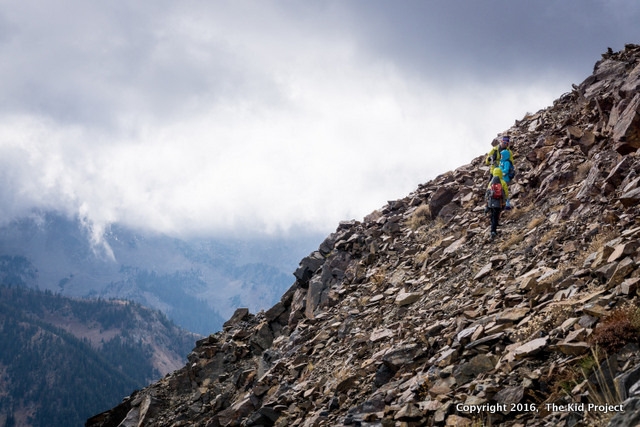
(308, 266)
(589, 186)
(626, 132)
(477, 365)
(617, 174)
(440, 199)
(630, 198)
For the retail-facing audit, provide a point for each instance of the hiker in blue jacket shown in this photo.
(508, 171)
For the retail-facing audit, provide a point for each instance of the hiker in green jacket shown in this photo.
(496, 196)
(494, 157)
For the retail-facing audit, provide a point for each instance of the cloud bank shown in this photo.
(261, 117)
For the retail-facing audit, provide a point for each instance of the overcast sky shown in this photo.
(209, 117)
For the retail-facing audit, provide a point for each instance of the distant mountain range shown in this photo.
(63, 359)
(198, 283)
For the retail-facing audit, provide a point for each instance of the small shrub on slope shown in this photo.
(622, 326)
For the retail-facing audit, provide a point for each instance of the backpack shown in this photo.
(508, 171)
(512, 171)
(496, 191)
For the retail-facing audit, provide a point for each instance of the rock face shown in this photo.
(392, 324)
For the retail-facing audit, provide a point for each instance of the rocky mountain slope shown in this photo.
(415, 317)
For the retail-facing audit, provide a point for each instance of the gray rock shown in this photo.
(630, 286)
(587, 142)
(587, 321)
(626, 132)
(531, 348)
(449, 210)
(513, 315)
(407, 298)
(132, 419)
(509, 395)
(477, 365)
(630, 416)
(574, 348)
(626, 381)
(447, 357)
(383, 375)
(439, 199)
(236, 412)
(239, 315)
(464, 335)
(410, 412)
(327, 245)
(485, 340)
(263, 336)
(274, 312)
(605, 272)
(308, 266)
(442, 412)
(589, 186)
(397, 357)
(632, 82)
(315, 296)
(623, 269)
(483, 271)
(453, 247)
(626, 248)
(618, 173)
(391, 227)
(630, 198)
(380, 334)
(346, 384)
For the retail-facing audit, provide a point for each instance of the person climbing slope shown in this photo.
(494, 156)
(496, 195)
(508, 171)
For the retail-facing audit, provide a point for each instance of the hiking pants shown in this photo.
(495, 217)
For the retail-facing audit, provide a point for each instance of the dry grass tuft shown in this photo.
(421, 257)
(599, 241)
(549, 235)
(431, 234)
(519, 235)
(596, 244)
(588, 373)
(515, 238)
(520, 211)
(379, 278)
(600, 393)
(421, 216)
(535, 222)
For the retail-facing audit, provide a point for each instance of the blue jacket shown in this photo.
(505, 164)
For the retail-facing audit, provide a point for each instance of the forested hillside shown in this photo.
(63, 359)
(197, 282)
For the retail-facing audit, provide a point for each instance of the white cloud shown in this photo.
(340, 155)
(227, 116)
